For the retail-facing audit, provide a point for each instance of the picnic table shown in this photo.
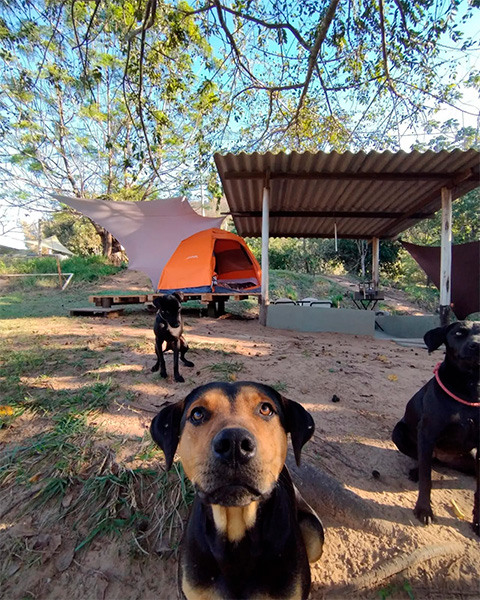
(367, 296)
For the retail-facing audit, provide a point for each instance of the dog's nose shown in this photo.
(234, 445)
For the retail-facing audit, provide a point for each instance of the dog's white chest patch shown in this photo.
(175, 331)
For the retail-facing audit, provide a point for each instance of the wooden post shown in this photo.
(39, 238)
(375, 263)
(265, 236)
(59, 270)
(446, 257)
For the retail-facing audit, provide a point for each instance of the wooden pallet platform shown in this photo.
(107, 301)
(97, 311)
(215, 302)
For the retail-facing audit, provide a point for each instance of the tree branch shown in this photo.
(322, 31)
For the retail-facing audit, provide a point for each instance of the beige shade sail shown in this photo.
(150, 231)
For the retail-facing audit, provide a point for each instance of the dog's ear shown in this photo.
(299, 423)
(178, 295)
(165, 430)
(158, 301)
(435, 337)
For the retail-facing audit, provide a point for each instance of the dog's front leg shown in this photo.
(476, 501)
(157, 353)
(176, 372)
(160, 359)
(183, 350)
(426, 445)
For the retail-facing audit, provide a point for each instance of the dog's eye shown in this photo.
(197, 415)
(460, 333)
(265, 409)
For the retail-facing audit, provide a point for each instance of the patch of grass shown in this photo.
(215, 348)
(67, 462)
(280, 386)
(142, 347)
(57, 453)
(300, 285)
(17, 397)
(393, 589)
(27, 362)
(146, 501)
(226, 369)
(85, 268)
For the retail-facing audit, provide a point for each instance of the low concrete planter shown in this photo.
(314, 318)
(406, 326)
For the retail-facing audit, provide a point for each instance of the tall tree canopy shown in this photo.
(124, 99)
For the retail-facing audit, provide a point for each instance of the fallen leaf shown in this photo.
(392, 377)
(458, 512)
(66, 555)
(67, 500)
(101, 588)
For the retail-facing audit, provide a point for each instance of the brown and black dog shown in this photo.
(442, 420)
(249, 533)
(168, 327)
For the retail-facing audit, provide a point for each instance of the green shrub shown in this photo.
(84, 268)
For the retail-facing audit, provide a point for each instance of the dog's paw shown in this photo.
(179, 379)
(476, 521)
(163, 374)
(476, 527)
(188, 363)
(154, 369)
(424, 514)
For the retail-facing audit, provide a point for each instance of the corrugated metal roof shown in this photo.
(367, 194)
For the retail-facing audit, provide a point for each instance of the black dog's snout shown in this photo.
(234, 446)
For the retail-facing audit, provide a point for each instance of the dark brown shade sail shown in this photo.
(465, 273)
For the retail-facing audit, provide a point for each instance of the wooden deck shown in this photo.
(215, 302)
(97, 311)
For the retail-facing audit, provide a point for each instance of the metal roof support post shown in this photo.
(375, 263)
(265, 238)
(446, 257)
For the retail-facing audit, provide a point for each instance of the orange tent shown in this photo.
(212, 260)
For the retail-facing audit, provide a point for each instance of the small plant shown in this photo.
(392, 589)
(227, 369)
(336, 300)
(280, 386)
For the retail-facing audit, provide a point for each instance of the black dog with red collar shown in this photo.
(442, 420)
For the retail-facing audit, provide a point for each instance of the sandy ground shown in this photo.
(353, 475)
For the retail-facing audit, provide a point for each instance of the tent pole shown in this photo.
(375, 263)
(446, 257)
(265, 237)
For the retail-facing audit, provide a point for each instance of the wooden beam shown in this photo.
(425, 200)
(319, 235)
(357, 176)
(446, 257)
(328, 214)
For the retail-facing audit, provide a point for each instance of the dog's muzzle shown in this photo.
(233, 476)
(234, 447)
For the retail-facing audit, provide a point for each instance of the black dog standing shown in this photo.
(168, 328)
(442, 420)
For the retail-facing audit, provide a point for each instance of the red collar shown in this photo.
(437, 377)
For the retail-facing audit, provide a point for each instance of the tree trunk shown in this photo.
(305, 256)
(107, 243)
